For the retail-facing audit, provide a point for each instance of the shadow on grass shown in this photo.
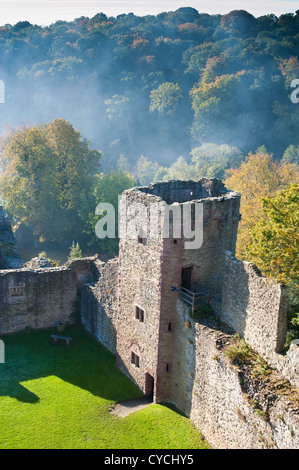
(85, 364)
(19, 392)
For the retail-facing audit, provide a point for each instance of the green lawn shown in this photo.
(58, 397)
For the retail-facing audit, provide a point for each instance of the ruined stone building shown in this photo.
(142, 306)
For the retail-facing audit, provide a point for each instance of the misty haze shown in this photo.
(149, 231)
(179, 95)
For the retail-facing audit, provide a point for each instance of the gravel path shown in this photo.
(124, 409)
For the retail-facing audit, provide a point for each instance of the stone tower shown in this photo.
(157, 268)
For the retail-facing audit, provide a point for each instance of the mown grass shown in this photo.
(59, 397)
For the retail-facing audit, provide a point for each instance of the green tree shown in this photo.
(239, 23)
(75, 251)
(274, 244)
(49, 172)
(123, 164)
(214, 106)
(274, 247)
(180, 170)
(291, 155)
(107, 189)
(118, 110)
(145, 170)
(162, 174)
(166, 98)
(211, 160)
(116, 107)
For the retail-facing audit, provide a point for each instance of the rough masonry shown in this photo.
(168, 312)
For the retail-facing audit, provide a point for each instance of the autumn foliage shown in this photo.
(259, 176)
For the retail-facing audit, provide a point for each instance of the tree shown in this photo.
(289, 69)
(291, 155)
(123, 164)
(107, 189)
(215, 106)
(162, 174)
(180, 170)
(166, 98)
(239, 23)
(274, 244)
(75, 251)
(145, 170)
(195, 58)
(117, 107)
(118, 110)
(49, 172)
(259, 176)
(274, 248)
(211, 160)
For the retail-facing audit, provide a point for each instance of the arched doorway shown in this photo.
(149, 386)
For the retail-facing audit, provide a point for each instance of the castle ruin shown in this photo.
(142, 306)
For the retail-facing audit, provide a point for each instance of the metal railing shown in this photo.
(194, 299)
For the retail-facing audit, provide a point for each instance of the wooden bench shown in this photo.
(67, 339)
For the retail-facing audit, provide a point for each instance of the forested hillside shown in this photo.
(157, 86)
(98, 105)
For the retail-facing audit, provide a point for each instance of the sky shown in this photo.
(45, 12)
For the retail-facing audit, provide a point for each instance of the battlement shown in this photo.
(184, 191)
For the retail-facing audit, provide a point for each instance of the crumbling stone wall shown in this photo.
(235, 413)
(232, 408)
(84, 270)
(288, 364)
(256, 307)
(36, 298)
(183, 191)
(40, 296)
(99, 305)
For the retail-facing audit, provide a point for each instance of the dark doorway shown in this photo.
(186, 277)
(149, 386)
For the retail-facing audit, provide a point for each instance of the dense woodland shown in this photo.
(157, 86)
(98, 105)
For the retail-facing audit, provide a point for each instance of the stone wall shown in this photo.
(183, 191)
(84, 270)
(288, 364)
(256, 307)
(40, 296)
(36, 298)
(99, 304)
(233, 412)
(139, 287)
(232, 409)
